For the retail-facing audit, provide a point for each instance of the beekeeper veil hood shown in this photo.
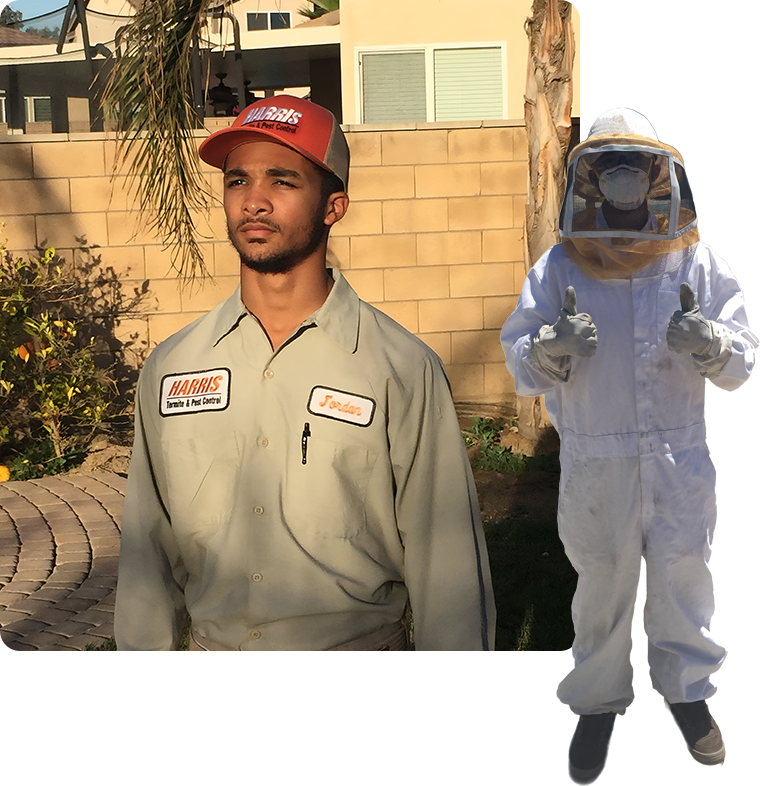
(628, 202)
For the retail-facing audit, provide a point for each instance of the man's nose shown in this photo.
(257, 201)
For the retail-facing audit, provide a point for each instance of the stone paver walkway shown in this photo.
(59, 552)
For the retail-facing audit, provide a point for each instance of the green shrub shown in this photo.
(39, 460)
(58, 379)
(47, 377)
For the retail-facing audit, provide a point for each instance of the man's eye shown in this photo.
(236, 182)
(284, 183)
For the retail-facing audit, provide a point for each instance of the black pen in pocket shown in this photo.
(304, 442)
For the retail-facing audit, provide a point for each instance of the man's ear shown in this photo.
(337, 204)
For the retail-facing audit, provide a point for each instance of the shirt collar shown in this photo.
(338, 316)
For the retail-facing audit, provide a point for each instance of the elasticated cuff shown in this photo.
(710, 363)
(555, 367)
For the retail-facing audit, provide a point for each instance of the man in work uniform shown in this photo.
(298, 480)
(625, 387)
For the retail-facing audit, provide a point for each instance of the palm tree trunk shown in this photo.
(548, 102)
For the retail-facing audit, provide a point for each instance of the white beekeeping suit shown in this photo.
(624, 386)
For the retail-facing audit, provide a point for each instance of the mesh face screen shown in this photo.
(667, 185)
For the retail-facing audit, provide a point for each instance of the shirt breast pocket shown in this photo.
(202, 480)
(326, 497)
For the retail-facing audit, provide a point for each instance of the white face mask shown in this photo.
(624, 187)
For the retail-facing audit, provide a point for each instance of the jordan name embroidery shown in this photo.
(341, 405)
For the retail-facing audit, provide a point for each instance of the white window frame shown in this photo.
(429, 50)
(269, 15)
(3, 108)
(254, 29)
(29, 112)
(281, 13)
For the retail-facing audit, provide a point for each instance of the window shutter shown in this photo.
(42, 109)
(393, 87)
(468, 84)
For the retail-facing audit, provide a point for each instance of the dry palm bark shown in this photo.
(548, 101)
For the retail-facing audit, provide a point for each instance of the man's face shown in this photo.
(606, 161)
(274, 206)
(615, 158)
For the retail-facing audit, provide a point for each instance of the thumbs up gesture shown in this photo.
(572, 334)
(688, 330)
(570, 305)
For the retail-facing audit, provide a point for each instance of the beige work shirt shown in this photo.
(277, 536)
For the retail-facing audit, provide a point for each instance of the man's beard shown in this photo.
(280, 261)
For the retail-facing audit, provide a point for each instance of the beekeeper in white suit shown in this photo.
(624, 386)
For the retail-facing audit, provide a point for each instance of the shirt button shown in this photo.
(255, 634)
(258, 510)
(257, 577)
(269, 373)
(263, 442)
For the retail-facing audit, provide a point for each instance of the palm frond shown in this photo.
(319, 7)
(149, 96)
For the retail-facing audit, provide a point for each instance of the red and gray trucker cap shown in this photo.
(307, 128)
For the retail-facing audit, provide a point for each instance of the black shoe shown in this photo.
(700, 731)
(588, 750)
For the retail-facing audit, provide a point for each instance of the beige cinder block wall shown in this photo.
(433, 235)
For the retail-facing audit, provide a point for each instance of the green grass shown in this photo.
(483, 430)
(485, 433)
(525, 635)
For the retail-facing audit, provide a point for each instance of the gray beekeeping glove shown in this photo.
(572, 335)
(709, 343)
(688, 330)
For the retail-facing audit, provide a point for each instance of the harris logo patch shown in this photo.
(340, 405)
(196, 391)
(273, 117)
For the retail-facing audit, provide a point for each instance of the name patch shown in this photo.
(340, 405)
(196, 391)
